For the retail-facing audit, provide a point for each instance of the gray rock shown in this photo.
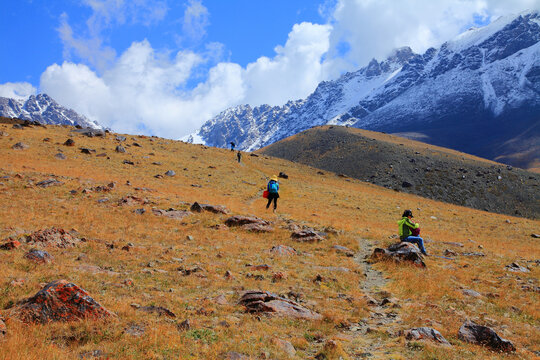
(120, 149)
(20, 146)
(60, 156)
(426, 333)
(266, 302)
(39, 256)
(170, 173)
(120, 138)
(515, 267)
(471, 293)
(49, 182)
(399, 252)
(485, 336)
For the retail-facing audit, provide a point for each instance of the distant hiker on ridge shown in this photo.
(232, 145)
(239, 156)
(273, 191)
(409, 231)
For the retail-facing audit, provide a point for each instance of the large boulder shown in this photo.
(59, 300)
(250, 223)
(216, 209)
(306, 235)
(485, 336)
(426, 333)
(257, 301)
(38, 256)
(53, 237)
(399, 252)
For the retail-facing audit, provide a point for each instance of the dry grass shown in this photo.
(360, 210)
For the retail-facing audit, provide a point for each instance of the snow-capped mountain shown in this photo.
(478, 93)
(44, 109)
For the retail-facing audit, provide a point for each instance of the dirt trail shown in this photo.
(376, 330)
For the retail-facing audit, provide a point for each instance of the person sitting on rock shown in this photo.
(273, 191)
(406, 227)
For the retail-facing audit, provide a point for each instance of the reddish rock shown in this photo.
(39, 256)
(53, 237)
(306, 235)
(482, 335)
(283, 250)
(278, 276)
(10, 245)
(266, 302)
(399, 252)
(59, 300)
(426, 333)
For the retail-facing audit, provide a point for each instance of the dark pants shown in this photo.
(272, 196)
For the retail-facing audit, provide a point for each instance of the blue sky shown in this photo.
(164, 67)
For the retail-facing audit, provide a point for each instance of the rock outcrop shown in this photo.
(399, 252)
(265, 302)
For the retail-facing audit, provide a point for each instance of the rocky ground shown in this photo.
(416, 168)
(131, 247)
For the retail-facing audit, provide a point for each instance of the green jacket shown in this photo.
(405, 226)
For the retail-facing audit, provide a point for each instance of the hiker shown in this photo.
(232, 145)
(407, 229)
(273, 191)
(239, 156)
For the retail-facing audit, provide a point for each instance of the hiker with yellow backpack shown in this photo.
(409, 231)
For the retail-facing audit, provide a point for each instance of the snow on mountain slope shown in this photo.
(44, 109)
(484, 84)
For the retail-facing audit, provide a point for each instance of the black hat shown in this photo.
(407, 213)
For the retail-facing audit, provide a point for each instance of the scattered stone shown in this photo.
(53, 237)
(91, 132)
(193, 270)
(128, 162)
(278, 276)
(120, 149)
(171, 213)
(306, 235)
(10, 245)
(472, 254)
(406, 184)
(249, 223)
(69, 142)
(221, 300)
(515, 267)
(184, 325)
(60, 156)
(265, 302)
(284, 346)
(137, 144)
(343, 250)
(49, 182)
(139, 211)
(216, 209)
(458, 244)
(59, 300)
(135, 330)
(160, 310)
(131, 200)
(87, 151)
(94, 354)
(228, 275)
(170, 173)
(485, 336)
(426, 333)
(471, 293)
(120, 138)
(233, 355)
(449, 252)
(399, 252)
(20, 146)
(39, 256)
(283, 175)
(536, 236)
(282, 250)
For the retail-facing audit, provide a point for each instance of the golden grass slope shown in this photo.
(365, 216)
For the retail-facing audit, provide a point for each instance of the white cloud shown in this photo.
(19, 91)
(144, 91)
(294, 72)
(196, 20)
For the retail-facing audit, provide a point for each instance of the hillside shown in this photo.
(478, 93)
(170, 279)
(415, 167)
